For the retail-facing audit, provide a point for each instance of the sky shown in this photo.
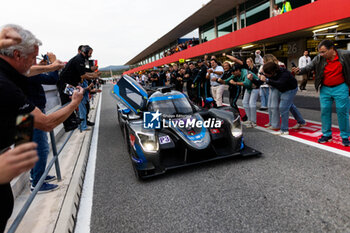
(116, 30)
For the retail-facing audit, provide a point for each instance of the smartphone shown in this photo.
(24, 129)
(69, 89)
(46, 58)
(293, 64)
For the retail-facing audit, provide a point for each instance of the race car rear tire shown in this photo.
(119, 120)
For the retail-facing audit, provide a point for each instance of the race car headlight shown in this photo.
(148, 142)
(236, 128)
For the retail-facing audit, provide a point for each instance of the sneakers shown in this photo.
(325, 139)
(47, 179)
(246, 122)
(45, 188)
(282, 133)
(346, 142)
(267, 125)
(70, 127)
(272, 128)
(251, 125)
(89, 123)
(298, 126)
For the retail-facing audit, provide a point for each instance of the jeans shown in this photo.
(43, 149)
(285, 105)
(273, 107)
(249, 104)
(234, 91)
(264, 96)
(297, 115)
(82, 115)
(340, 94)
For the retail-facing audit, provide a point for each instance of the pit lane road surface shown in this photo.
(292, 187)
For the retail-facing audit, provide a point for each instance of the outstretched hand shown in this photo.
(9, 37)
(16, 161)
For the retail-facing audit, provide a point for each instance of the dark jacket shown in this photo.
(318, 64)
(283, 81)
(202, 72)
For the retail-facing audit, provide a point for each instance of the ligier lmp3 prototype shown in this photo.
(164, 130)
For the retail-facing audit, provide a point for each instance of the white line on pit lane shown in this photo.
(314, 144)
(85, 207)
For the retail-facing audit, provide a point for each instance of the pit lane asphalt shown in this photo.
(292, 187)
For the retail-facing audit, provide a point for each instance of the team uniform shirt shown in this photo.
(75, 68)
(333, 73)
(13, 103)
(244, 79)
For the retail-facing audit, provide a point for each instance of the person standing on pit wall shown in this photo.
(72, 74)
(217, 89)
(332, 67)
(286, 7)
(304, 61)
(36, 94)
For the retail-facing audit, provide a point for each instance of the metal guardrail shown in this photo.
(31, 197)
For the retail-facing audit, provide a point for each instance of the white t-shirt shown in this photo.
(304, 61)
(213, 75)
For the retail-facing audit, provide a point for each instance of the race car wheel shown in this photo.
(119, 120)
(127, 140)
(137, 172)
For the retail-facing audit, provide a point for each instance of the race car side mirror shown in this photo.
(126, 111)
(209, 100)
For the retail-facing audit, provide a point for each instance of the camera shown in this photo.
(46, 58)
(69, 89)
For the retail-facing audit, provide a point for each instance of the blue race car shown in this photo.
(164, 130)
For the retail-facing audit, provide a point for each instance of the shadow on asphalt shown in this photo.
(199, 167)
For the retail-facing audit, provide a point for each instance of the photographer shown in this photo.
(284, 82)
(74, 73)
(36, 94)
(244, 77)
(15, 61)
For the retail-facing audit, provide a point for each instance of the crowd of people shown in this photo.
(181, 46)
(23, 98)
(265, 77)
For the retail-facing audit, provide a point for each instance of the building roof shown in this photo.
(295, 24)
(208, 12)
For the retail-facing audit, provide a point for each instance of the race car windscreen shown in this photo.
(172, 106)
